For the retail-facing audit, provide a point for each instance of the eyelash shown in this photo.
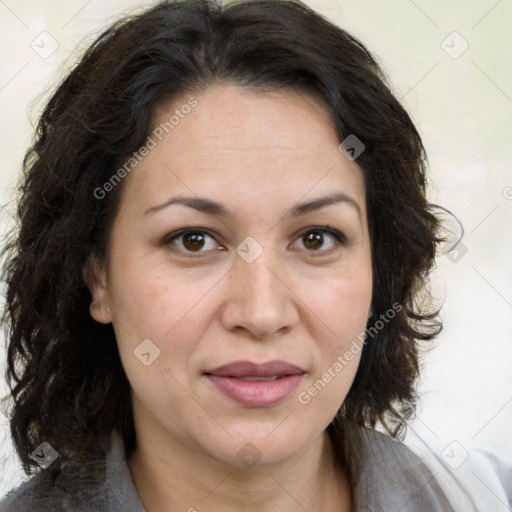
(337, 235)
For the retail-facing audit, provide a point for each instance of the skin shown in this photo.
(259, 154)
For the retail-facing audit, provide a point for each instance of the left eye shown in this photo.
(314, 238)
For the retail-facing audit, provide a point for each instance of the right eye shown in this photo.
(191, 241)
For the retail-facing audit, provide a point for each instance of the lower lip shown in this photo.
(256, 393)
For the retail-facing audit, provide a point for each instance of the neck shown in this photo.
(168, 476)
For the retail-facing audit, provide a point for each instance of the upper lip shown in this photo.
(240, 369)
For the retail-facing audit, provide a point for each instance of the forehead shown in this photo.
(237, 118)
(238, 141)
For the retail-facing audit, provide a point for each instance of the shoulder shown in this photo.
(393, 477)
(37, 493)
(105, 487)
(72, 490)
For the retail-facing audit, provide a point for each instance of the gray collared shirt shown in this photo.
(393, 479)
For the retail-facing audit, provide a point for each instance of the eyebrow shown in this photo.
(210, 207)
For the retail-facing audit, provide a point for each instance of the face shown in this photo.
(265, 259)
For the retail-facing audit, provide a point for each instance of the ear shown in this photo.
(96, 279)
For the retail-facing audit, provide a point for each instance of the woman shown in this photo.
(214, 295)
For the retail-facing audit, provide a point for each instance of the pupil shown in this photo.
(314, 240)
(193, 241)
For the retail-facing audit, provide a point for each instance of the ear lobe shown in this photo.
(96, 280)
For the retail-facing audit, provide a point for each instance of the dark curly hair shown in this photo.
(67, 382)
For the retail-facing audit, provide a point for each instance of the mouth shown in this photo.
(256, 385)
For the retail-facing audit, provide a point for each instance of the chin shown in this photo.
(262, 446)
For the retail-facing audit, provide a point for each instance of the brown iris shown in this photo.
(193, 241)
(313, 240)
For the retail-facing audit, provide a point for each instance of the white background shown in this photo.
(463, 108)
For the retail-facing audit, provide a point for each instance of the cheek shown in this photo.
(146, 307)
(342, 309)
(154, 299)
(341, 304)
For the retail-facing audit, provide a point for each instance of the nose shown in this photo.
(258, 298)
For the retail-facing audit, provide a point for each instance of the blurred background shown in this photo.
(449, 63)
